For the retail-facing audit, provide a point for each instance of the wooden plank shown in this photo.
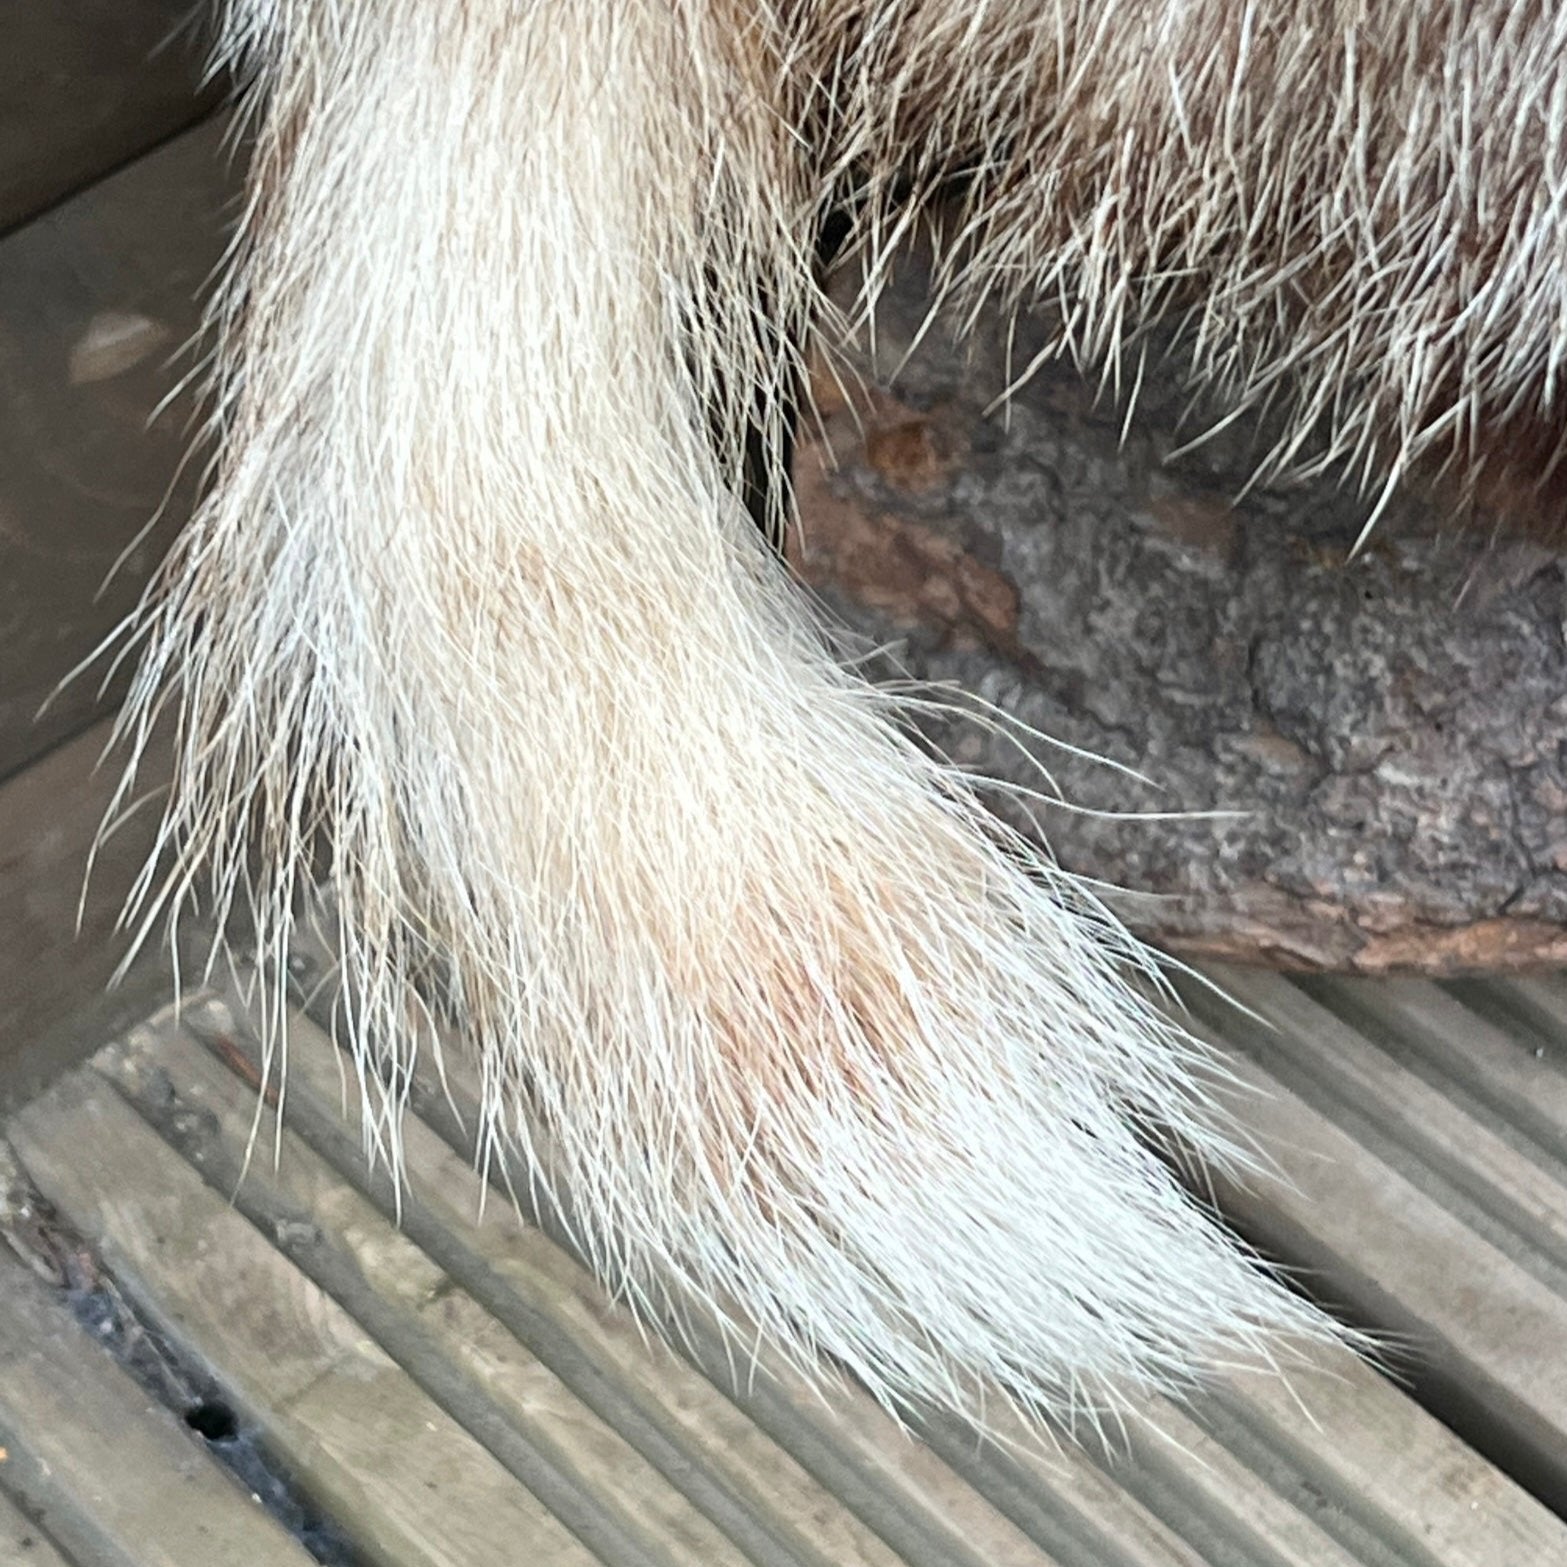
(1059, 1497)
(1535, 1002)
(1071, 1512)
(1244, 1474)
(88, 85)
(54, 969)
(574, 1461)
(105, 1466)
(22, 1542)
(1381, 1232)
(778, 1447)
(1180, 1470)
(673, 1415)
(97, 300)
(1369, 1461)
(1434, 1115)
(1338, 1470)
(400, 1477)
(1330, 1467)
(1475, 1055)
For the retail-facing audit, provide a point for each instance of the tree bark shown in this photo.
(1389, 729)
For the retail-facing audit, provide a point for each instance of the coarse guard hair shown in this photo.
(474, 626)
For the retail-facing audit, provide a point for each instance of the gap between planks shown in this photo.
(1239, 1477)
(112, 1475)
(1419, 1217)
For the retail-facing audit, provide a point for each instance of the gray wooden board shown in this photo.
(1340, 1467)
(469, 1350)
(59, 947)
(112, 1476)
(97, 301)
(1536, 1002)
(484, 1377)
(22, 1542)
(1416, 1206)
(405, 1483)
(1501, 1074)
(86, 85)
(695, 1437)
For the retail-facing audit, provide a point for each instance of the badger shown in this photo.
(475, 627)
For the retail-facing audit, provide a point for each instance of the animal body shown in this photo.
(474, 623)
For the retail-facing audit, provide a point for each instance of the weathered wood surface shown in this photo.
(23, 1542)
(1416, 1200)
(717, 1448)
(59, 948)
(502, 1393)
(86, 85)
(399, 1474)
(458, 1381)
(1339, 1468)
(1534, 1005)
(1500, 1073)
(98, 302)
(109, 1472)
(1385, 732)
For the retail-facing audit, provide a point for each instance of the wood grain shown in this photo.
(1471, 1052)
(101, 1462)
(676, 1418)
(1337, 1466)
(1351, 756)
(569, 1457)
(398, 1475)
(1443, 1235)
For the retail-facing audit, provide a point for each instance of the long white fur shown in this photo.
(475, 604)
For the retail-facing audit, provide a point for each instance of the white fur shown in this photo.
(474, 603)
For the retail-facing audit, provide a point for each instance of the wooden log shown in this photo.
(1384, 731)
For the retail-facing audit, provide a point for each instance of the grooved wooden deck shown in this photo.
(204, 1370)
(453, 1389)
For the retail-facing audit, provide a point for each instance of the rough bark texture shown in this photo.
(1392, 727)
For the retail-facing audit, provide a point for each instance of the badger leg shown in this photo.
(475, 600)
